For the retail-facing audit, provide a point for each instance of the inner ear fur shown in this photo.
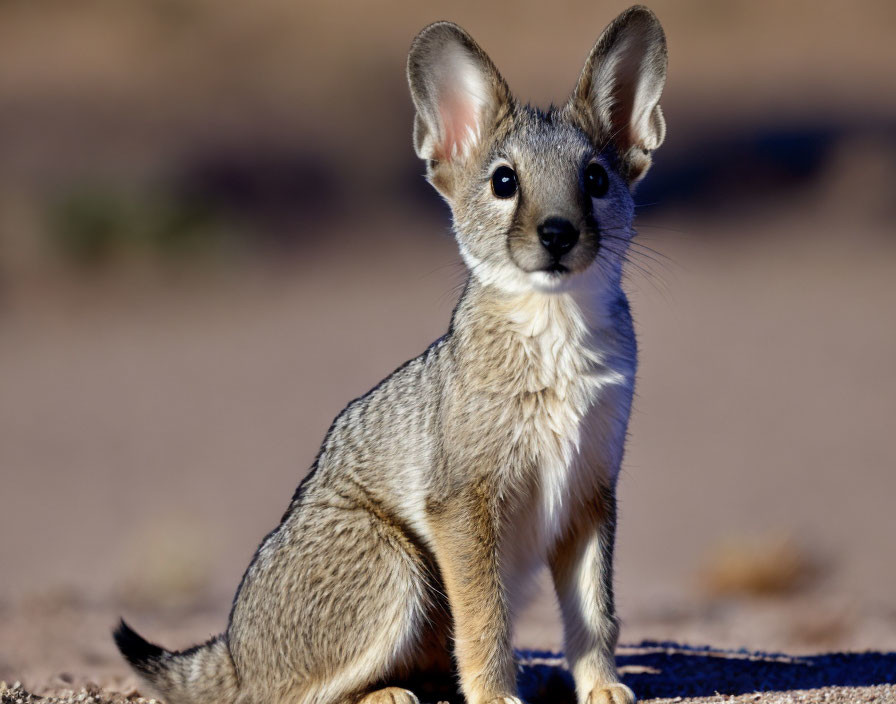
(617, 97)
(457, 92)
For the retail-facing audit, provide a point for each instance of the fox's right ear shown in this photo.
(458, 94)
(617, 98)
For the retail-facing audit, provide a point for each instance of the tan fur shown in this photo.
(389, 695)
(436, 495)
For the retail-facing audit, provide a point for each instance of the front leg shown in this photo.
(467, 539)
(582, 568)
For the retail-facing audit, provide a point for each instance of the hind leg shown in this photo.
(331, 608)
(430, 672)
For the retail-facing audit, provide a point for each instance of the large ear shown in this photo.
(457, 91)
(617, 97)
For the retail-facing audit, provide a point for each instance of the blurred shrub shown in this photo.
(759, 566)
(92, 227)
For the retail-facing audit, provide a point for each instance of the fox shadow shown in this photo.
(668, 670)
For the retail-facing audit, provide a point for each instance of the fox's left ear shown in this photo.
(617, 97)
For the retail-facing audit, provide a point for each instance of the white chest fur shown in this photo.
(575, 398)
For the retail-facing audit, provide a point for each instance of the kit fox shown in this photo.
(438, 494)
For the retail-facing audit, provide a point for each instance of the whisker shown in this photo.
(632, 239)
(644, 251)
(634, 260)
(632, 272)
(663, 228)
(453, 293)
(456, 265)
(635, 237)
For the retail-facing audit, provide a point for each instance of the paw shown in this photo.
(390, 695)
(505, 700)
(616, 693)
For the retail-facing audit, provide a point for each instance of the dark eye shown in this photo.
(597, 182)
(504, 182)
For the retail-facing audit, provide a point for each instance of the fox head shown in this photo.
(538, 198)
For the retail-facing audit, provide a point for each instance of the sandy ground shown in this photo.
(154, 436)
(655, 671)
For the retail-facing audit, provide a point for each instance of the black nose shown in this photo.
(558, 236)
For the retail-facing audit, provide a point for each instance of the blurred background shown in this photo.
(214, 233)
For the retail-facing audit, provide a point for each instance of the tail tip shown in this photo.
(138, 651)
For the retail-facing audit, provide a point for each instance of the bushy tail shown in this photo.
(201, 675)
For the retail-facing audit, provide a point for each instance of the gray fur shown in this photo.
(436, 495)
